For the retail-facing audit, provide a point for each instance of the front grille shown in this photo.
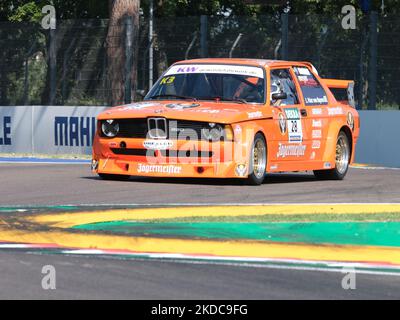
(132, 128)
(139, 128)
(164, 153)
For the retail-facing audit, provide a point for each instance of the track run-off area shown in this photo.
(293, 226)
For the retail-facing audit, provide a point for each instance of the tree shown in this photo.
(119, 12)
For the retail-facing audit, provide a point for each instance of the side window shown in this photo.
(282, 82)
(313, 92)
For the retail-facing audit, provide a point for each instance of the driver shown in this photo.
(276, 87)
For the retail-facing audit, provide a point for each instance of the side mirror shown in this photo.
(279, 96)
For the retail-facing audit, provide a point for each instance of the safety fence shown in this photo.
(71, 64)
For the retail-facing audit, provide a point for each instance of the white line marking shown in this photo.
(206, 204)
(331, 266)
(374, 168)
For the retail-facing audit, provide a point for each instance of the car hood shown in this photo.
(209, 111)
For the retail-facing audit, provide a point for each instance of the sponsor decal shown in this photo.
(216, 68)
(316, 144)
(112, 144)
(94, 165)
(167, 80)
(317, 123)
(291, 150)
(282, 123)
(139, 106)
(181, 106)
(273, 167)
(316, 111)
(238, 130)
(241, 170)
(335, 111)
(316, 134)
(157, 144)
(294, 126)
(312, 157)
(255, 114)
(303, 71)
(317, 100)
(350, 120)
(309, 82)
(74, 131)
(302, 78)
(205, 111)
(151, 168)
(327, 165)
(5, 131)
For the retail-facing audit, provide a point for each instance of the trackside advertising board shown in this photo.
(70, 130)
(47, 129)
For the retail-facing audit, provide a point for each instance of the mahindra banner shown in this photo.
(48, 129)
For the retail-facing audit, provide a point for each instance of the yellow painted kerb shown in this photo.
(70, 219)
(241, 248)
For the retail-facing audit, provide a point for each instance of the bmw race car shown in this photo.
(231, 118)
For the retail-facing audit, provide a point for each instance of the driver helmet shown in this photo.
(275, 87)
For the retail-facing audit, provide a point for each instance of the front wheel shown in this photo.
(118, 177)
(342, 160)
(258, 161)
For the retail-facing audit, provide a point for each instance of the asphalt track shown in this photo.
(57, 184)
(99, 278)
(105, 278)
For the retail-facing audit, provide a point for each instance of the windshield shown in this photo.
(240, 84)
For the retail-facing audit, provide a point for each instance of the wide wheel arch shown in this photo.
(349, 135)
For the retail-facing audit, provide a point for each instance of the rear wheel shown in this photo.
(258, 161)
(342, 160)
(118, 177)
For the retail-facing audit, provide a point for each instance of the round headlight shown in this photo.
(214, 132)
(110, 128)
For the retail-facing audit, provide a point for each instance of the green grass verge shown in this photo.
(324, 217)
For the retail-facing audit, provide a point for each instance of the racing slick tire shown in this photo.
(342, 159)
(258, 161)
(118, 177)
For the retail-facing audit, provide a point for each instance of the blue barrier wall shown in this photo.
(379, 141)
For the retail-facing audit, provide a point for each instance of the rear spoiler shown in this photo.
(338, 86)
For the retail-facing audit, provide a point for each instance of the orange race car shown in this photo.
(231, 118)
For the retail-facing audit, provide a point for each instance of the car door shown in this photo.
(315, 102)
(291, 140)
